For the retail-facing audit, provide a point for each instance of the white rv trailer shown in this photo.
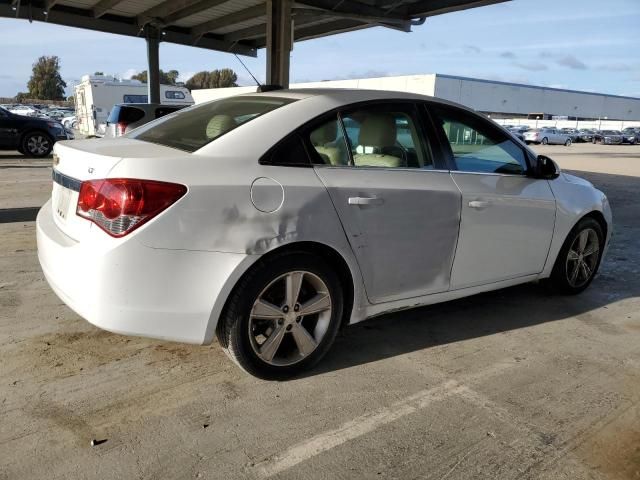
(95, 95)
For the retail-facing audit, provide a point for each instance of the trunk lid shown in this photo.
(80, 160)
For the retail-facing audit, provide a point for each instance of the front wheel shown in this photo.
(579, 257)
(283, 316)
(37, 144)
(567, 143)
(545, 141)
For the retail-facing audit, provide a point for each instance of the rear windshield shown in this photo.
(193, 128)
(120, 113)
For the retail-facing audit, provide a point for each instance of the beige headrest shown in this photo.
(378, 130)
(220, 124)
(325, 134)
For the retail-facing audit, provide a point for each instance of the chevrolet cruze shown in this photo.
(270, 220)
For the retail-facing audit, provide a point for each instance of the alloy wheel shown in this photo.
(38, 144)
(582, 258)
(290, 318)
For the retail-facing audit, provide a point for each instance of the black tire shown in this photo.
(545, 141)
(567, 143)
(560, 276)
(36, 144)
(233, 330)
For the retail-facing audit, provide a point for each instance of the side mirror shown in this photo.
(546, 168)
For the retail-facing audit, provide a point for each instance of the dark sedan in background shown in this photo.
(608, 137)
(31, 136)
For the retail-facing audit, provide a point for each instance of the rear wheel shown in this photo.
(283, 316)
(579, 258)
(545, 141)
(37, 144)
(567, 143)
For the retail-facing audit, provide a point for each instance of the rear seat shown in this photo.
(323, 140)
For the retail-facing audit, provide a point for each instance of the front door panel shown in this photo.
(402, 225)
(506, 229)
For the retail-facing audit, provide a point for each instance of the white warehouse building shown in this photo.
(498, 99)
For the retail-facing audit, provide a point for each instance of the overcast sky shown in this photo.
(591, 45)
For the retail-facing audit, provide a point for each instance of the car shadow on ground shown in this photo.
(508, 309)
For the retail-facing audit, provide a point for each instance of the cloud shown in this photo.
(616, 67)
(571, 62)
(129, 73)
(508, 55)
(471, 49)
(533, 66)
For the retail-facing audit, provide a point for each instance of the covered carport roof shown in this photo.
(237, 26)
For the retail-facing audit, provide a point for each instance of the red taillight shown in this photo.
(120, 205)
(121, 128)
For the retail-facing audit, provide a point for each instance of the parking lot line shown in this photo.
(369, 422)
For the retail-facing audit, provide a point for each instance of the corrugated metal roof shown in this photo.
(230, 25)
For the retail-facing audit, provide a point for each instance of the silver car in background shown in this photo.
(546, 136)
(124, 117)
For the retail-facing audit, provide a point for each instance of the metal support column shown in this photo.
(153, 63)
(279, 41)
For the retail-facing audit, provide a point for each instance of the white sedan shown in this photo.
(271, 220)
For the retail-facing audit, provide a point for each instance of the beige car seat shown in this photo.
(378, 131)
(323, 140)
(220, 124)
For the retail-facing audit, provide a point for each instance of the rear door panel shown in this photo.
(405, 240)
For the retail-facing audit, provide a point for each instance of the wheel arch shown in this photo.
(598, 216)
(335, 259)
(35, 130)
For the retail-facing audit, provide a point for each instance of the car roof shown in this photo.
(346, 96)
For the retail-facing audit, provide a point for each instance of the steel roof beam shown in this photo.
(231, 19)
(426, 8)
(103, 6)
(356, 8)
(73, 18)
(192, 9)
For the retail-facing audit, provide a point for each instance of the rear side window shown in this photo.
(125, 114)
(174, 95)
(197, 126)
(135, 99)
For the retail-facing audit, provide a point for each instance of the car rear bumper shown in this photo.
(125, 287)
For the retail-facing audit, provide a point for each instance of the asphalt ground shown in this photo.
(512, 384)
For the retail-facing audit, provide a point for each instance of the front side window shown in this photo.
(385, 136)
(195, 127)
(477, 146)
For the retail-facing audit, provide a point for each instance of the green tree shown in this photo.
(98, 73)
(46, 82)
(213, 79)
(166, 78)
(21, 97)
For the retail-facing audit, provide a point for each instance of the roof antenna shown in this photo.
(261, 87)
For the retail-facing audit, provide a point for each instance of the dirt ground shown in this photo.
(513, 384)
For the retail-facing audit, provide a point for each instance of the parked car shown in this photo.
(124, 117)
(585, 135)
(31, 136)
(517, 133)
(24, 110)
(262, 220)
(608, 137)
(69, 121)
(572, 132)
(631, 135)
(547, 136)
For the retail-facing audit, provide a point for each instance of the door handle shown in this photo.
(365, 201)
(478, 204)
